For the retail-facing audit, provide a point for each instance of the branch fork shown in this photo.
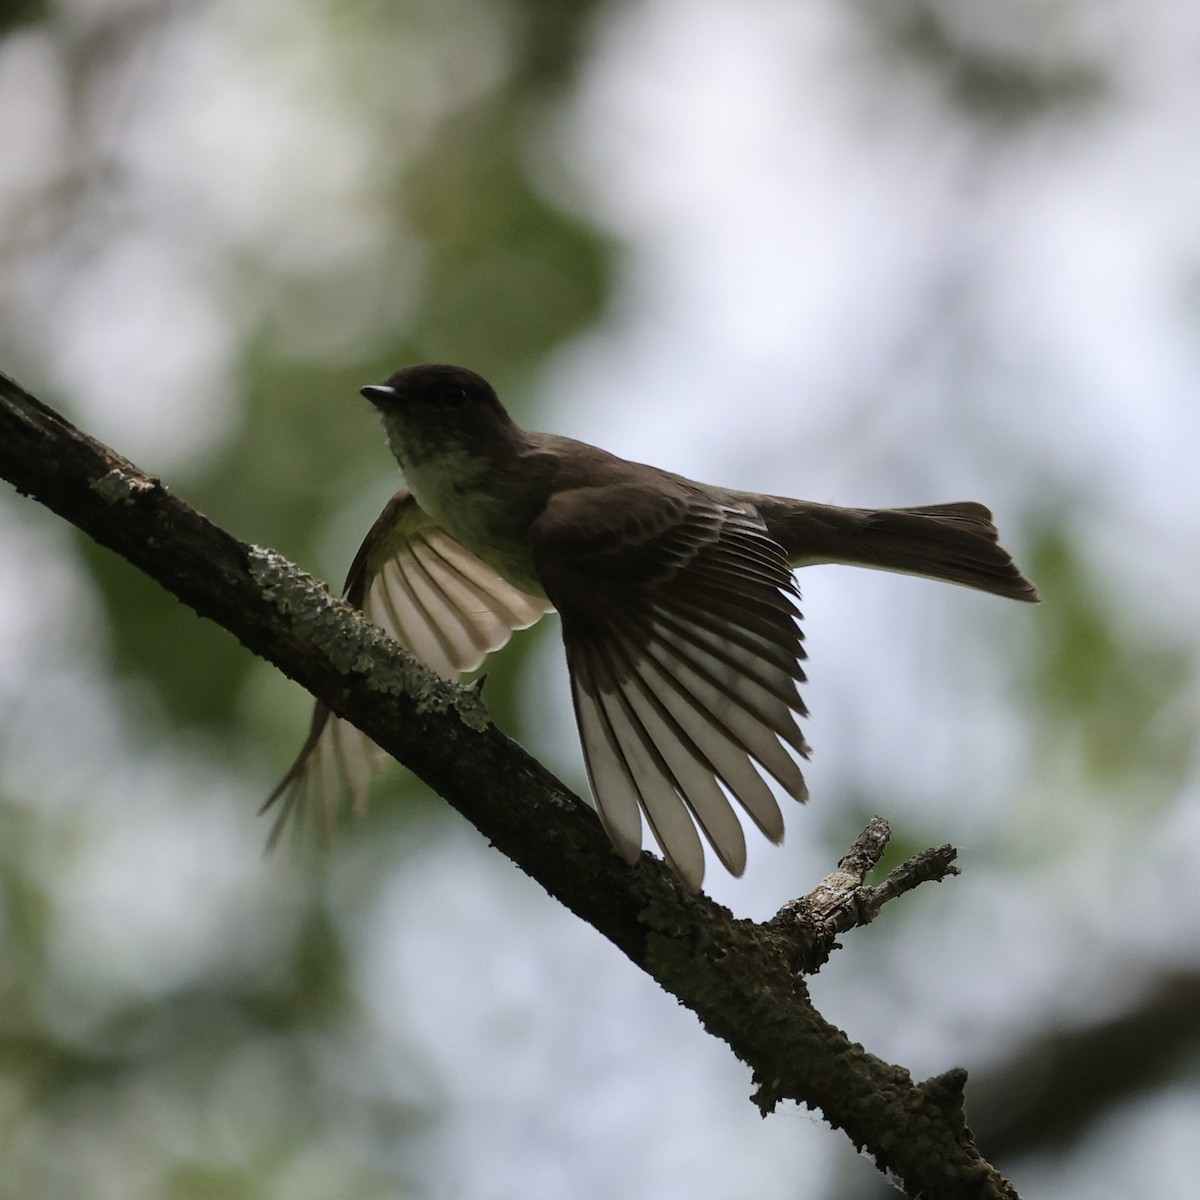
(843, 900)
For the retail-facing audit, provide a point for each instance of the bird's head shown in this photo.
(432, 409)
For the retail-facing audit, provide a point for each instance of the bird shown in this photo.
(677, 602)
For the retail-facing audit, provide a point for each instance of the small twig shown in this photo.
(927, 866)
(842, 900)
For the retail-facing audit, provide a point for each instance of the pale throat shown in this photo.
(460, 490)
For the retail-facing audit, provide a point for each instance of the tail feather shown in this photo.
(954, 542)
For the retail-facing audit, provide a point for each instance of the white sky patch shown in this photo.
(146, 353)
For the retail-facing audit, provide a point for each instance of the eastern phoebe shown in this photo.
(676, 599)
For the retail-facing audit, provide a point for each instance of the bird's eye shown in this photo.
(457, 397)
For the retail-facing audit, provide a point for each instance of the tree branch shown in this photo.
(741, 979)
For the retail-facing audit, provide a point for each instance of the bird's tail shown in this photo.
(954, 542)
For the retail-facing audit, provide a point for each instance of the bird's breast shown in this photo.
(479, 507)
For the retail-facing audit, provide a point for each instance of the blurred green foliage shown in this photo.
(510, 276)
(1118, 696)
(16, 13)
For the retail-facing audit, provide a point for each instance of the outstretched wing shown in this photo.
(443, 604)
(684, 651)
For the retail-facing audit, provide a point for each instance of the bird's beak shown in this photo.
(379, 394)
